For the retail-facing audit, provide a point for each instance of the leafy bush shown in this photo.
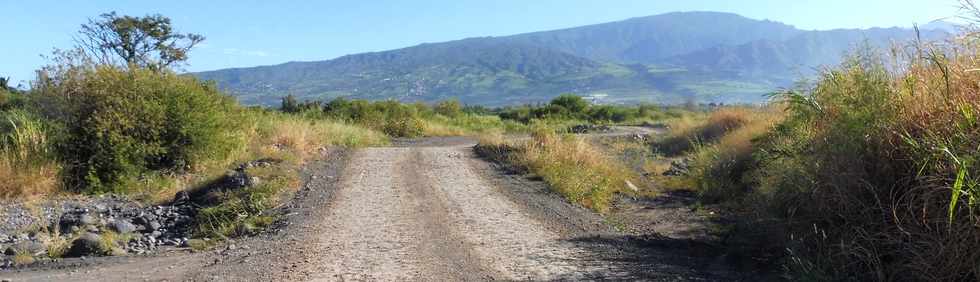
(449, 108)
(120, 124)
(569, 107)
(391, 117)
(10, 100)
(291, 105)
(573, 104)
(5, 98)
(607, 113)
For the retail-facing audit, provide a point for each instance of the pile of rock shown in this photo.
(161, 226)
(84, 224)
(589, 128)
(678, 168)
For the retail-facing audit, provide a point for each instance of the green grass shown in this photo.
(244, 211)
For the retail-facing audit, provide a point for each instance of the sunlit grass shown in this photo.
(573, 167)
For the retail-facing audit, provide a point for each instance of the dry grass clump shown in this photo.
(573, 167)
(687, 133)
(295, 138)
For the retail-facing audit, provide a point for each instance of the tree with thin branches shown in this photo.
(146, 42)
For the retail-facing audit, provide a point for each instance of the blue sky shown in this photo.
(250, 33)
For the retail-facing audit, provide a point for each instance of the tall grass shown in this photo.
(571, 166)
(27, 165)
(722, 149)
(872, 175)
(690, 131)
(298, 136)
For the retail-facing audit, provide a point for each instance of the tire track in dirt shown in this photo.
(509, 241)
(425, 214)
(377, 235)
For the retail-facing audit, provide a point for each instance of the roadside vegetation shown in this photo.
(575, 167)
(569, 109)
(572, 166)
(867, 174)
(105, 119)
(400, 120)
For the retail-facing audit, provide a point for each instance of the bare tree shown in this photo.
(148, 41)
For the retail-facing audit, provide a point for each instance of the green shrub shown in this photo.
(569, 107)
(521, 114)
(291, 105)
(403, 126)
(120, 124)
(574, 104)
(477, 110)
(10, 100)
(5, 98)
(449, 108)
(606, 113)
(391, 117)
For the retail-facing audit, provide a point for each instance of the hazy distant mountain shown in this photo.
(669, 58)
(649, 39)
(797, 56)
(941, 26)
(471, 67)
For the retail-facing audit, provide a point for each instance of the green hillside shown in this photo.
(669, 58)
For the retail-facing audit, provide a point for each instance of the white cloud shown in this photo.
(240, 52)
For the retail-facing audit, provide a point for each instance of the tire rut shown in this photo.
(452, 256)
(376, 237)
(508, 240)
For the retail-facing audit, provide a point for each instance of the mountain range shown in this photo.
(668, 58)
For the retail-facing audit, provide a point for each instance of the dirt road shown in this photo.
(419, 213)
